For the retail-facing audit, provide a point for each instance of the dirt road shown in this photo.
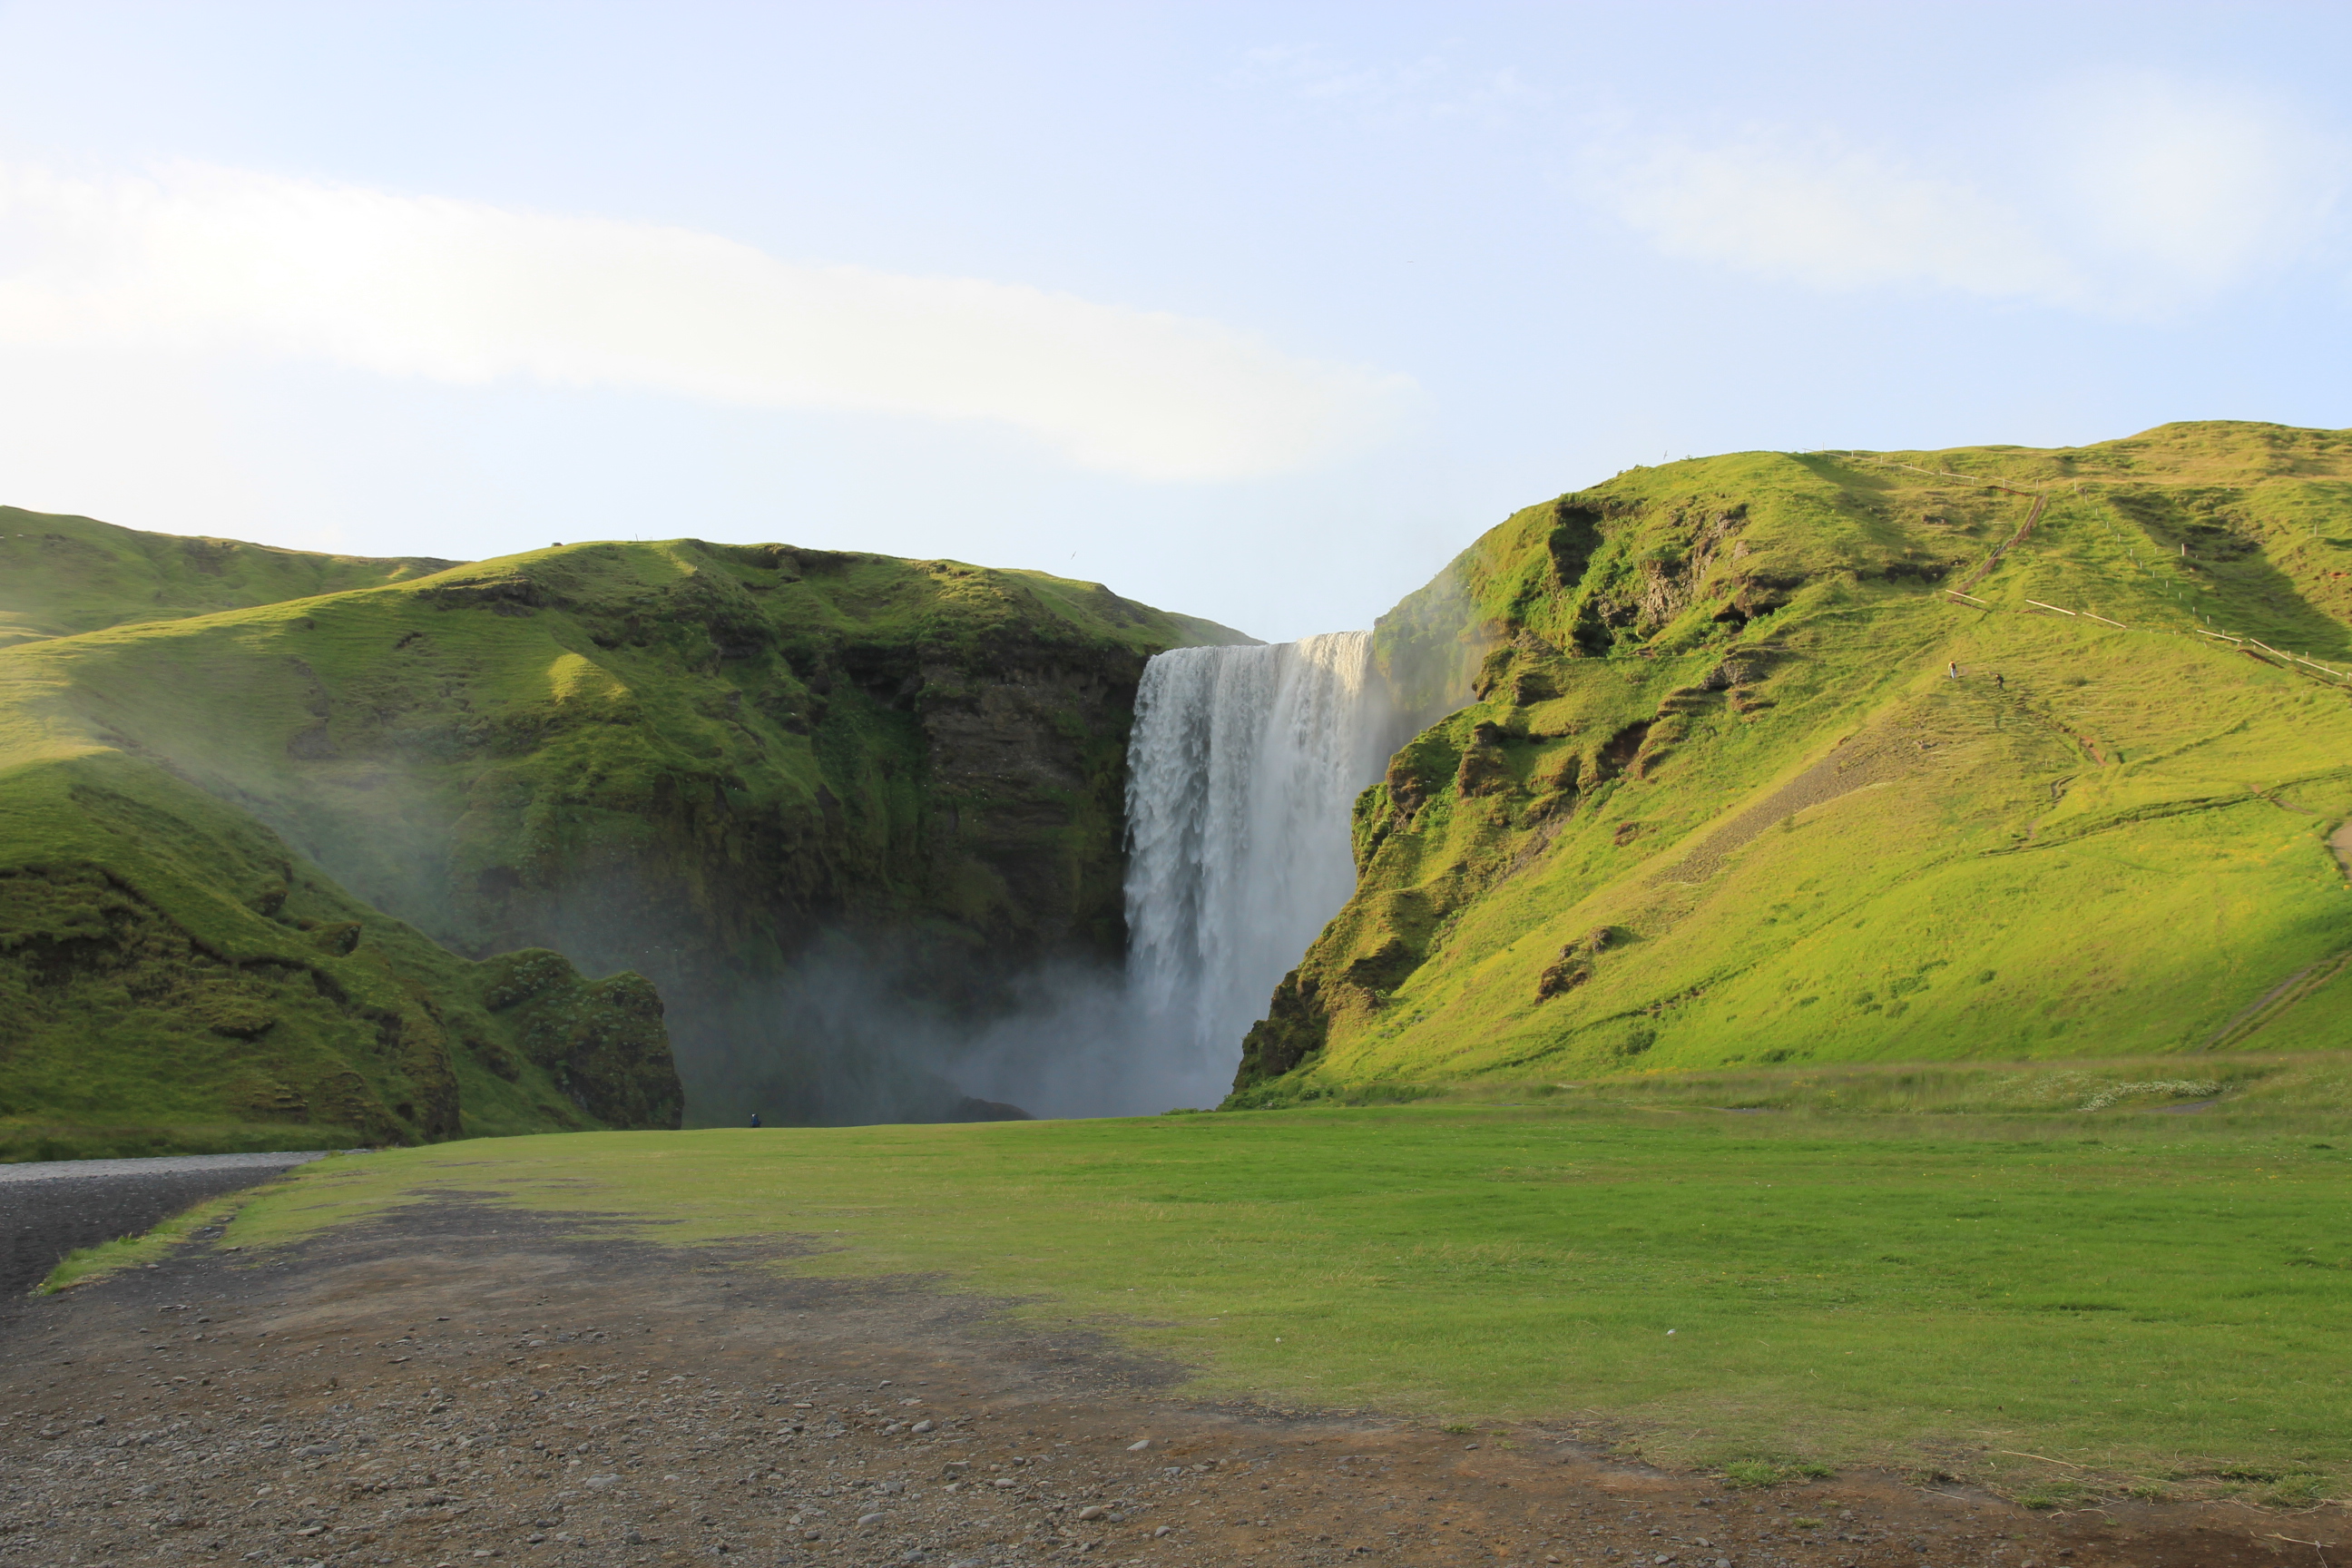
(463, 1383)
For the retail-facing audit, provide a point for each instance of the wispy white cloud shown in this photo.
(1835, 218)
(2124, 195)
(203, 258)
(2203, 188)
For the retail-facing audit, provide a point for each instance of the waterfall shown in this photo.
(1242, 771)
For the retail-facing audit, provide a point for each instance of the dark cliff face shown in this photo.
(963, 826)
(1026, 772)
(826, 802)
(817, 800)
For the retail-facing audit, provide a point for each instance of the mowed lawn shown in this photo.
(1706, 1287)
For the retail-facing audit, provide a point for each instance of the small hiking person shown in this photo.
(755, 1118)
(2000, 684)
(1955, 672)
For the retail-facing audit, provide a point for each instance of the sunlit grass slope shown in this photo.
(2154, 1297)
(1725, 799)
(59, 575)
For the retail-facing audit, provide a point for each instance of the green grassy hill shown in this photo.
(241, 852)
(1723, 799)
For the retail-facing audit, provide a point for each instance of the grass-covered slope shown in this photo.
(1723, 799)
(59, 575)
(172, 979)
(690, 762)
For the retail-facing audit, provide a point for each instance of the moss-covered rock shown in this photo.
(602, 1041)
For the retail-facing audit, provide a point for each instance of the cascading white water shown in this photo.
(1242, 767)
(1242, 771)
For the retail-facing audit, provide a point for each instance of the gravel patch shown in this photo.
(161, 1165)
(49, 1207)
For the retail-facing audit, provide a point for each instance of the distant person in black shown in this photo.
(755, 1118)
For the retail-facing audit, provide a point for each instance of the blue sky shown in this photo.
(1258, 312)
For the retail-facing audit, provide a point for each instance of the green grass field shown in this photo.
(2051, 1302)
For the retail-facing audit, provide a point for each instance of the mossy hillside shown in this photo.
(171, 979)
(688, 759)
(1722, 801)
(61, 574)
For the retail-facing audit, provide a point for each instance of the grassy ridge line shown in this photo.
(2150, 1298)
(63, 574)
(1568, 875)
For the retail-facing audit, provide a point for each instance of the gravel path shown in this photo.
(49, 1207)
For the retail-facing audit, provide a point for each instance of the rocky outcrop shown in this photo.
(602, 1042)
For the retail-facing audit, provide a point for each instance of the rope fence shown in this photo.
(2040, 500)
(2230, 638)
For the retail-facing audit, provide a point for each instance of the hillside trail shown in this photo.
(1880, 753)
(1904, 744)
(462, 1381)
(1993, 560)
